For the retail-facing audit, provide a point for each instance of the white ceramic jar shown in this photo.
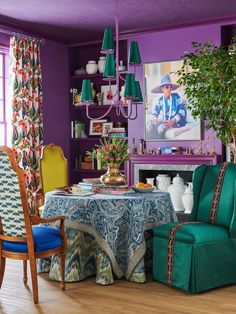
(162, 182)
(187, 198)
(176, 190)
(101, 64)
(91, 67)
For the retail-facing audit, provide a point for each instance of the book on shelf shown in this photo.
(118, 133)
(78, 129)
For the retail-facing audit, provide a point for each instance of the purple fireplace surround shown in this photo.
(174, 163)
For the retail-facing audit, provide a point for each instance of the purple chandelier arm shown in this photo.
(117, 57)
(97, 118)
(128, 115)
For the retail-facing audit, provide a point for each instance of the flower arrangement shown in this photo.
(112, 151)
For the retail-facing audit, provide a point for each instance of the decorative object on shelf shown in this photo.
(91, 67)
(94, 92)
(187, 198)
(108, 92)
(101, 64)
(162, 182)
(200, 148)
(141, 148)
(114, 153)
(122, 67)
(95, 127)
(133, 149)
(213, 151)
(189, 151)
(177, 150)
(207, 143)
(106, 128)
(80, 71)
(75, 96)
(176, 190)
(217, 106)
(111, 73)
(99, 99)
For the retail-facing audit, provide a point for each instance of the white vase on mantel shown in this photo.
(176, 190)
(187, 198)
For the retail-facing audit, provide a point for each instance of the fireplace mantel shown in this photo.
(166, 162)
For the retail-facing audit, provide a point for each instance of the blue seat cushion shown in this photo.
(45, 239)
(194, 233)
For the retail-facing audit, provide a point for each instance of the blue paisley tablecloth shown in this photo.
(116, 222)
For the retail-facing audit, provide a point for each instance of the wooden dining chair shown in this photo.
(53, 169)
(20, 238)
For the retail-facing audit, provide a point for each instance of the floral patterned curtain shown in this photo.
(26, 89)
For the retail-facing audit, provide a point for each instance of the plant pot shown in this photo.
(113, 176)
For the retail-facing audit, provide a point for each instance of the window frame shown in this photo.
(4, 52)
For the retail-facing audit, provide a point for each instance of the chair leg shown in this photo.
(2, 268)
(25, 278)
(62, 262)
(34, 279)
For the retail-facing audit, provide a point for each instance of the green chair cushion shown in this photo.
(194, 233)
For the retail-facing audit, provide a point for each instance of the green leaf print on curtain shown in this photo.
(26, 95)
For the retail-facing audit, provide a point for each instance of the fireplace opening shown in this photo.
(143, 174)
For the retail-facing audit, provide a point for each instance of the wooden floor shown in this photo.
(122, 297)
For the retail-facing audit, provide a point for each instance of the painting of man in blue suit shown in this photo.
(168, 111)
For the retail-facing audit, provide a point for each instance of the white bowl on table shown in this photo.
(143, 190)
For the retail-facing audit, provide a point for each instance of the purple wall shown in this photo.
(4, 40)
(56, 126)
(167, 46)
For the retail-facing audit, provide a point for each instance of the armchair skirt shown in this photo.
(193, 267)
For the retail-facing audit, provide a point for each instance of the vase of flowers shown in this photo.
(114, 153)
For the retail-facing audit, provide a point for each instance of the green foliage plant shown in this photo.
(209, 77)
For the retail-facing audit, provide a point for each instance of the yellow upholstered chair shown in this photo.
(53, 169)
(20, 239)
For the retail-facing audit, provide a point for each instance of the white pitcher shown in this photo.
(187, 198)
(150, 180)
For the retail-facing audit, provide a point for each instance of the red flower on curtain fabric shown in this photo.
(27, 120)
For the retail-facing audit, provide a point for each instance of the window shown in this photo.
(5, 109)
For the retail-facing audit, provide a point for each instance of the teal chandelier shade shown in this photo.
(130, 87)
(109, 68)
(86, 94)
(134, 55)
(138, 93)
(107, 43)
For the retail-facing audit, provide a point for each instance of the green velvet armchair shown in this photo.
(201, 254)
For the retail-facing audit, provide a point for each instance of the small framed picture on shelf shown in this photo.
(108, 94)
(106, 128)
(95, 127)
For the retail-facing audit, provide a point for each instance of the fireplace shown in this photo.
(141, 167)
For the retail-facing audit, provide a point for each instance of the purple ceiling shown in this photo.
(73, 21)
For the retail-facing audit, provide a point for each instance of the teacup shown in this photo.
(75, 188)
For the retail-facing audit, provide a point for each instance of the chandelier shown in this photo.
(132, 90)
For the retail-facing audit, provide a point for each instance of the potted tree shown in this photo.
(209, 76)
